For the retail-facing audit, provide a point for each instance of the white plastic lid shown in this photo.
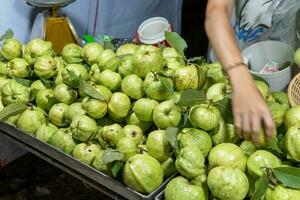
(152, 31)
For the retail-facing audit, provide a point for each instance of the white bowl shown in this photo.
(261, 53)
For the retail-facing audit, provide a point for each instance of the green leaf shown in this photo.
(87, 67)
(191, 98)
(162, 74)
(47, 83)
(22, 81)
(161, 46)
(110, 156)
(281, 130)
(225, 107)
(200, 60)
(288, 176)
(273, 145)
(74, 80)
(52, 100)
(116, 168)
(91, 91)
(167, 84)
(7, 35)
(109, 45)
(258, 78)
(284, 65)
(184, 120)
(171, 136)
(12, 110)
(261, 186)
(176, 41)
(33, 94)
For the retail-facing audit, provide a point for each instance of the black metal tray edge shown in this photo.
(160, 196)
(74, 167)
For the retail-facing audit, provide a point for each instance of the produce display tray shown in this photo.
(160, 196)
(100, 181)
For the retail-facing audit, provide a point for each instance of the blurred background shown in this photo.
(89, 17)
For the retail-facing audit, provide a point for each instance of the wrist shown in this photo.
(240, 77)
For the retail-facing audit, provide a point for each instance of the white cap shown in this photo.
(152, 31)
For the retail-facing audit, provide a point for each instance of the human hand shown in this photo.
(250, 110)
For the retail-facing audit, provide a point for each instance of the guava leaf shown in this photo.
(162, 74)
(87, 67)
(108, 45)
(273, 146)
(281, 130)
(166, 84)
(47, 83)
(258, 78)
(225, 108)
(33, 94)
(171, 136)
(52, 100)
(191, 98)
(198, 60)
(288, 176)
(74, 80)
(176, 41)
(161, 46)
(116, 167)
(261, 186)
(12, 110)
(91, 91)
(7, 35)
(22, 81)
(184, 120)
(110, 156)
(284, 65)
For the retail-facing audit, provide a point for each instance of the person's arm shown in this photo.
(249, 108)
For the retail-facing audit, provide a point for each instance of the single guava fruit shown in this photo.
(228, 183)
(158, 146)
(195, 137)
(143, 173)
(292, 117)
(204, 116)
(179, 188)
(292, 142)
(190, 162)
(227, 154)
(260, 159)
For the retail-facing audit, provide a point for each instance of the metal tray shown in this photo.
(160, 196)
(98, 180)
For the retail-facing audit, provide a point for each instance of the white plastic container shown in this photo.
(261, 53)
(152, 31)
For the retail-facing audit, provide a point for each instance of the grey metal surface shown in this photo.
(102, 182)
(160, 196)
(49, 3)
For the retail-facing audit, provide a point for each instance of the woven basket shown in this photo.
(294, 91)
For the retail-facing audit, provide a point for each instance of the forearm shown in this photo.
(223, 41)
